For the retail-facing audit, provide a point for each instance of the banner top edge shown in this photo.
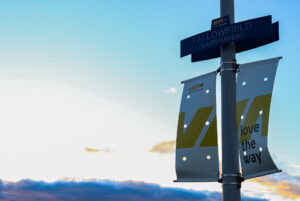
(264, 60)
(204, 75)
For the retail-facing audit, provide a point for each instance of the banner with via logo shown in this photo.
(197, 144)
(254, 91)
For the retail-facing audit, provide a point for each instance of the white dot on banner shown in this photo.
(208, 157)
(265, 79)
(184, 158)
(207, 91)
(207, 122)
(244, 83)
(188, 96)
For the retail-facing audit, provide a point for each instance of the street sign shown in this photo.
(240, 46)
(245, 30)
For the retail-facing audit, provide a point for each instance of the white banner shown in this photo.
(254, 91)
(196, 143)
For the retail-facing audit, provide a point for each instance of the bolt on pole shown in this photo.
(231, 177)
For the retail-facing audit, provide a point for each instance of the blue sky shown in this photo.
(85, 60)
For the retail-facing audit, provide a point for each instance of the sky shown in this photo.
(90, 94)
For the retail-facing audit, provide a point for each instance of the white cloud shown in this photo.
(293, 166)
(47, 127)
(284, 185)
(172, 90)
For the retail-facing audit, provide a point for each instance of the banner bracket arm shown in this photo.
(234, 69)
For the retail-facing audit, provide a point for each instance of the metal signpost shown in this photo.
(231, 177)
(224, 40)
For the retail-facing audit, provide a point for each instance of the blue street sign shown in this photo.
(221, 35)
(240, 46)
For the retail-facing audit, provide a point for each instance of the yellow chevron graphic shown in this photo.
(211, 137)
(189, 138)
(240, 107)
(260, 103)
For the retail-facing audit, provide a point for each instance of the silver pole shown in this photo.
(231, 178)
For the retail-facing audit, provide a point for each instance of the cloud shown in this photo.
(288, 186)
(171, 90)
(101, 190)
(87, 149)
(293, 166)
(164, 147)
(92, 150)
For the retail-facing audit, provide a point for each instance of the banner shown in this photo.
(197, 144)
(254, 91)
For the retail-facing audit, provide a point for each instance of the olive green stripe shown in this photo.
(240, 107)
(189, 138)
(259, 103)
(211, 137)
